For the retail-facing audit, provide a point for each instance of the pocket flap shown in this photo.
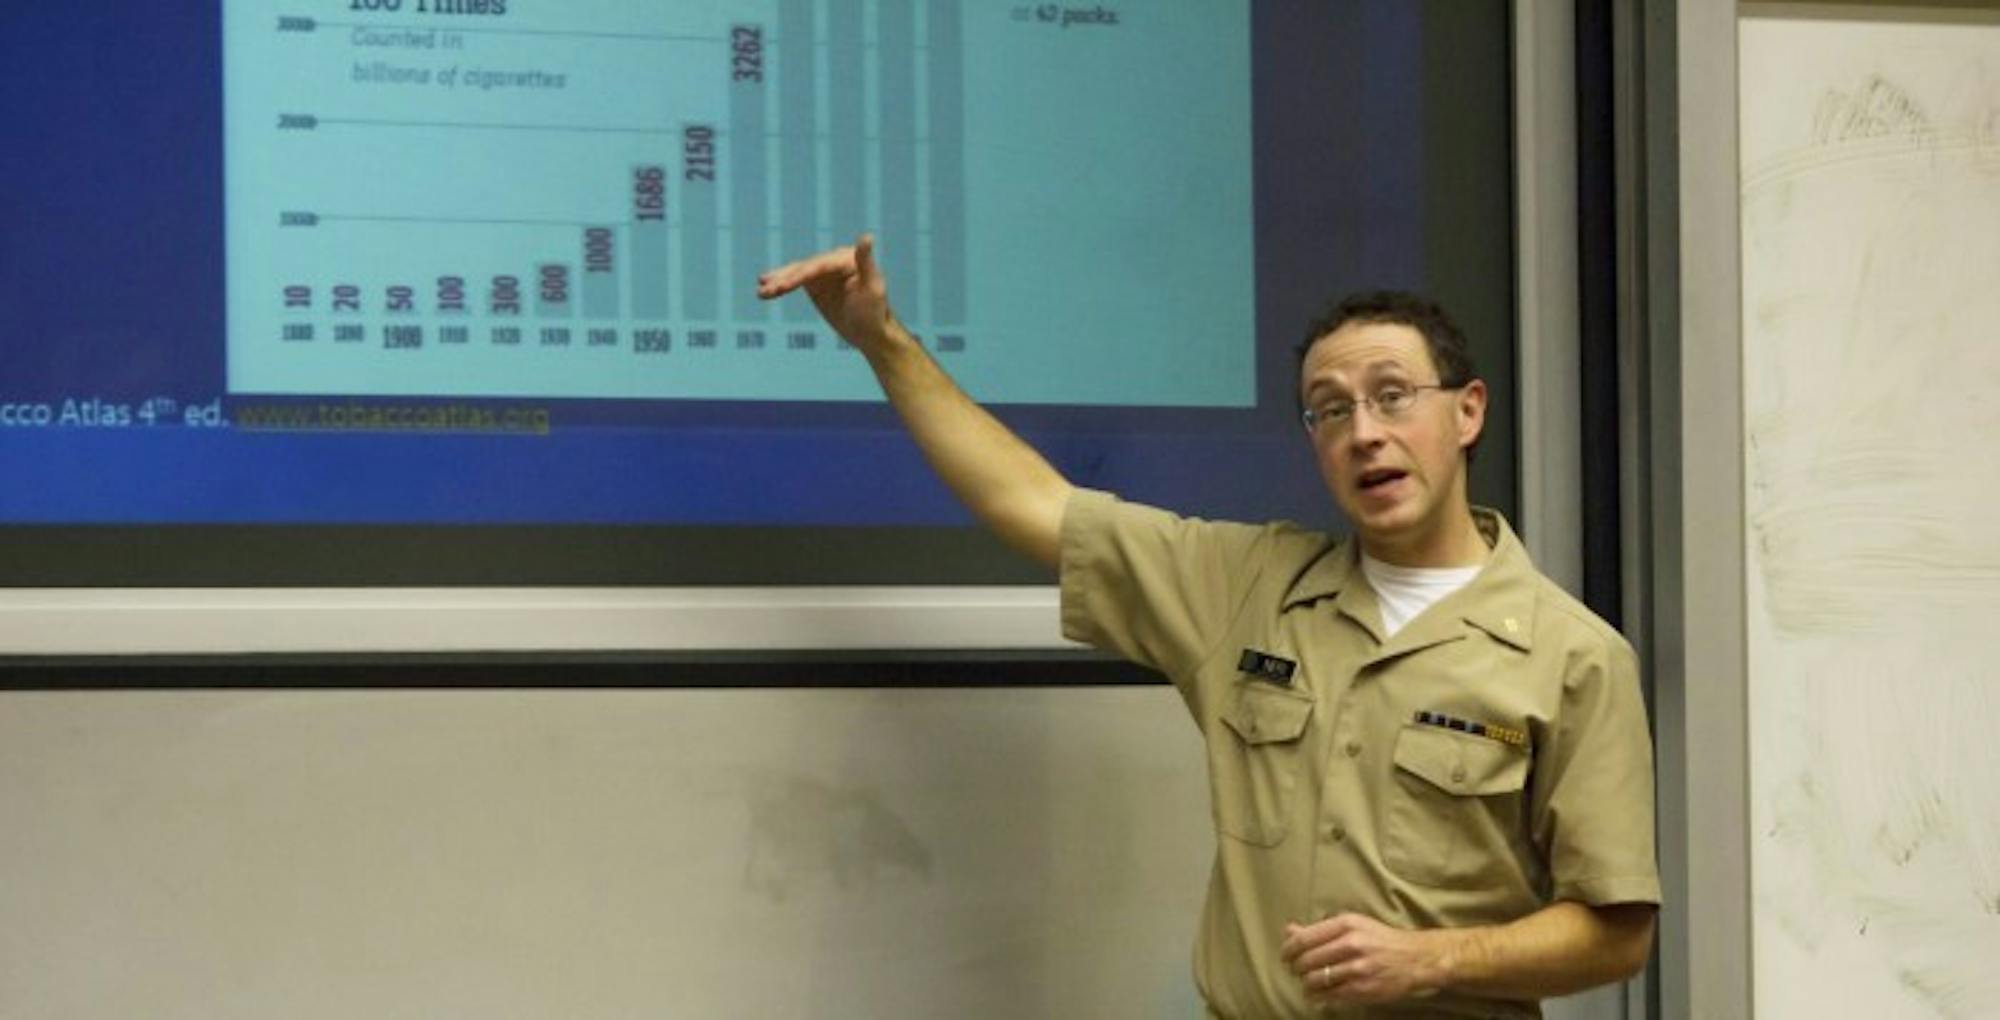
(1460, 763)
(1264, 717)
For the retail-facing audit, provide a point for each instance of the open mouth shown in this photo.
(1376, 479)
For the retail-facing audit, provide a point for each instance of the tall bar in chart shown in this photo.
(748, 169)
(847, 142)
(400, 330)
(701, 250)
(452, 311)
(503, 310)
(896, 145)
(650, 242)
(600, 274)
(946, 93)
(552, 291)
(798, 142)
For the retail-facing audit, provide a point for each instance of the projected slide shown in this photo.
(439, 292)
(572, 198)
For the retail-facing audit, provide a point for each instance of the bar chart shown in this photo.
(574, 200)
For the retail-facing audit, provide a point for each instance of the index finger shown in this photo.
(793, 275)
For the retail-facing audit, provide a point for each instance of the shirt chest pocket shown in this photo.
(1456, 815)
(1254, 760)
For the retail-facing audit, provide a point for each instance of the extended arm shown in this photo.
(1563, 948)
(999, 477)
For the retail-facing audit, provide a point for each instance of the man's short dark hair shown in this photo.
(1442, 336)
(1399, 308)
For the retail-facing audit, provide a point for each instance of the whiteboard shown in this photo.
(1871, 340)
(751, 854)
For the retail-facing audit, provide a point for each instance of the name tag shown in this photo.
(1267, 667)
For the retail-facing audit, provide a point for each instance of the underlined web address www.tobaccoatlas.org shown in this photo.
(359, 417)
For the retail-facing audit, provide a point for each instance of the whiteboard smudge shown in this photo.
(804, 833)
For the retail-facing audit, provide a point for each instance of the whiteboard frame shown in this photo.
(42, 622)
(1693, 545)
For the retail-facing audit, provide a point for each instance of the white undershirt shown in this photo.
(1406, 591)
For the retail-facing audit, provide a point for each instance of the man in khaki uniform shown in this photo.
(1430, 771)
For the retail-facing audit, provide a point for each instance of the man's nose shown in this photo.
(1364, 428)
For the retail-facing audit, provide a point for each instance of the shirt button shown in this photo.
(1458, 774)
(1336, 833)
(1353, 749)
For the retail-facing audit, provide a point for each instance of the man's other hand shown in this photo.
(1352, 959)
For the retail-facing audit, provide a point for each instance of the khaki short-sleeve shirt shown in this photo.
(1490, 758)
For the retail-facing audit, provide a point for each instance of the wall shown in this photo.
(735, 853)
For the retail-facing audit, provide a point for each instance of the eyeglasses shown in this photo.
(1390, 403)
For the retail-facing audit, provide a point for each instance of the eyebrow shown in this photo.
(1318, 386)
(1385, 363)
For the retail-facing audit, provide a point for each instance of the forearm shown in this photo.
(1561, 949)
(997, 475)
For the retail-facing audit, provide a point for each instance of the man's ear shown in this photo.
(1471, 407)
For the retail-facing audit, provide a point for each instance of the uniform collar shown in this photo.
(1499, 601)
